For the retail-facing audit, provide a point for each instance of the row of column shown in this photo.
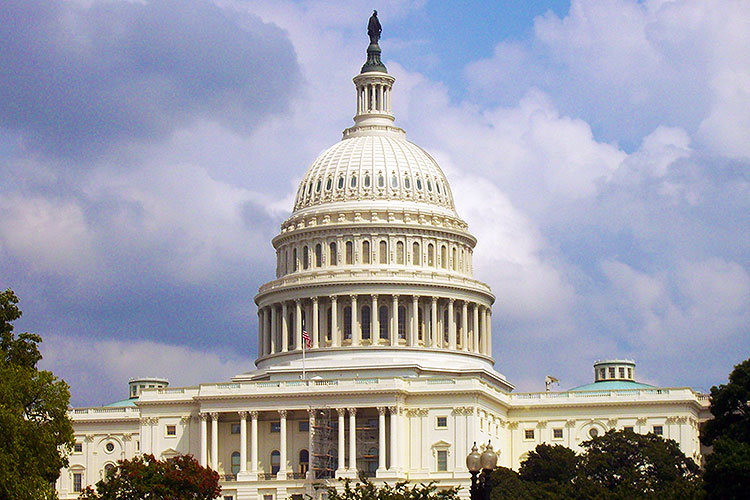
(373, 97)
(274, 324)
(351, 467)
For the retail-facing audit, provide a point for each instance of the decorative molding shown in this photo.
(283, 413)
(382, 410)
(253, 414)
(242, 414)
(203, 416)
(89, 438)
(640, 421)
(185, 419)
(341, 411)
(127, 436)
(352, 411)
(612, 423)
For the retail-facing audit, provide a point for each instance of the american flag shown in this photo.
(306, 338)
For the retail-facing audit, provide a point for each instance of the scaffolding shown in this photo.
(323, 454)
(367, 445)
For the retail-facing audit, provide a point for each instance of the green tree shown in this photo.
(549, 463)
(727, 474)
(35, 432)
(146, 478)
(364, 489)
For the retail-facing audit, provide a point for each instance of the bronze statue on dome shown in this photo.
(373, 27)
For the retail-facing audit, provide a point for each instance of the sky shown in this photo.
(598, 149)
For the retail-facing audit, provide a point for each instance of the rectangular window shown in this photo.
(171, 430)
(658, 430)
(557, 433)
(78, 448)
(628, 428)
(442, 460)
(304, 425)
(77, 482)
(276, 426)
(267, 497)
(228, 497)
(528, 434)
(611, 372)
(630, 373)
(622, 372)
(441, 422)
(235, 428)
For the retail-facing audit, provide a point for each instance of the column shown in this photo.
(414, 337)
(254, 442)
(433, 323)
(475, 336)
(282, 445)
(243, 442)
(394, 438)
(356, 331)
(214, 441)
(465, 327)
(375, 321)
(394, 321)
(298, 326)
(381, 438)
(274, 328)
(310, 434)
(451, 326)
(315, 332)
(204, 439)
(353, 441)
(334, 323)
(260, 332)
(342, 444)
(489, 331)
(284, 327)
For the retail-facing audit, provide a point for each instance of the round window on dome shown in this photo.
(381, 181)
(317, 186)
(110, 447)
(394, 181)
(341, 182)
(367, 180)
(329, 183)
(353, 182)
(407, 184)
(419, 183)
(429, 185)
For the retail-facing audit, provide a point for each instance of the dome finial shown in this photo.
(373, 50)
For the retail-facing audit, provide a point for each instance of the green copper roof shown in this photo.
(373, 62)
(124, 402)
(611, 385)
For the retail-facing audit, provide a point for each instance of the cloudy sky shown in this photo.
(599, 150)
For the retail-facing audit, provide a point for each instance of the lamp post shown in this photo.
(480, 467)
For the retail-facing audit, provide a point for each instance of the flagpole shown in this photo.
(304, 377)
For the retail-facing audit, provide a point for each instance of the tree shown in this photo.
(35, 432)
(727, 474)
(364, 489)
(549, 463)
(146, 478)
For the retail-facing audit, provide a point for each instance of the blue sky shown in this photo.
(598, 150)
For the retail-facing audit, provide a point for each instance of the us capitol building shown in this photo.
(374, 267)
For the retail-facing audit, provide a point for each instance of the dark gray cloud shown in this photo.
(77, 80)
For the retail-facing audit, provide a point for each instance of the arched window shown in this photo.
(444, 257)
(235, 462)
(305, 257)
(429, 185)
(381, 181)
(415, 257)
(353, 182)
(367, 180)
(365, 323)
(394, 181)
(407, 184)
(400, 252)
(348, 322)
(349, 253)
(365, 252)
(317, 187)
(383, 319)
(329, 182)
(431, 255)
(419, 183)
(294, 258)
(341, 182)
(462, 262)
(402, 322)
(275, 461)
(453, 259)
(332, 257)
(107, 471)
(304, 461)
(318, 255)
(383, 252)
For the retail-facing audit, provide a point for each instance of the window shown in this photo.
(367, 180)
(365, 323)
(593, 432)
(317, 187)
(77, 482)
(602, 374)
(441, 422)
(347, 322)
(381, 181)
(429, 185)
(400, 252)
(229, 497)
(419, 183)
(394, 181)
(444, 257)
(235, 462)
(628, 428)
(437, 186)
(341, 183)
(383, 319)
(318, 255)
(329, 183)
(446, 328)
(78, 448)
(658, 430)
(353, 182)
(431, 255)
(383, 252)
(275, 461)
(453, 259)
(276, 426)
(557, 433)
(304, 425)
(109, 447)
(402, 322)
(305, 258)
(407, 184)
(442, 460)
(304, 461)
(420, 322)
(415, 257)
(622, 372)
(528, 434)
(235, 428)
(365, 252)
(107, 471)
(172, 430)
(611, 372)
(332, 259)
(349, 253)
(267, 497)
(630, 373)
(294, 259)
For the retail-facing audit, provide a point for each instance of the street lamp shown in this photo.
(480, 467)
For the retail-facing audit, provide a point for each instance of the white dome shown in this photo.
(375, 167)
